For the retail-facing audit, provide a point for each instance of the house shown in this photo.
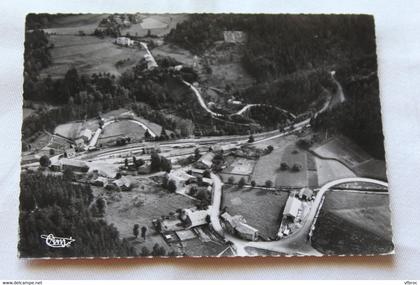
(100, 181)
(181, 178)
(168, 225)
(86, 135)
(70, 153)
(237, 225)
(305, 194)
(197, 172)
(205, 161)
(74, 165)
(247, 232)
(207, 181)
(124, 183)
(193, 217)
(292, 207)
(124, 41)
(80, 143)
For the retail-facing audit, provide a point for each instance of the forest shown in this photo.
(52, 205)
(282, 44)
(290, 56)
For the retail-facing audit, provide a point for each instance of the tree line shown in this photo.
(51, 205)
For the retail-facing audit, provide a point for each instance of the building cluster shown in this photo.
(124, 183)
(183, 225)
(237, 225)
(297, 206)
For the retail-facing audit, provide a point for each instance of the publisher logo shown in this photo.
(57, 242)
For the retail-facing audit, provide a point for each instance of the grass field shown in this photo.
(88, 55)
(373, 169)
(156, 202)
(288, 177)
(267, 166)
(344, 150)
(121, 128)
(181, 55)
(158, 24)
(329, 170)
(353, 223)
(71, 130)
(262, 209)
(72, 24)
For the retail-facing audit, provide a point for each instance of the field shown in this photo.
(262, 209)
(157, 24)
(240, 167)
(71, 130)
(141, 206)
(291, 156)
(121, 128)
(177, 53)
(267, 166)
(373, 169)
(88, 55)
(329, 170)
(344, 150)
(224, 61)
(353, 223)
(71, 25)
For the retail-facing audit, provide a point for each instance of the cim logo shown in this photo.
(57, 242)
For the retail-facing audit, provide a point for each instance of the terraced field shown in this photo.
(353, 223)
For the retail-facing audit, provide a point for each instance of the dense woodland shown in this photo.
(51, 205)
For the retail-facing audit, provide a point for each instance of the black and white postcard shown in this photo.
(202, 135)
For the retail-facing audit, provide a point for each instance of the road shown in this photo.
(299, 242)
(201, 100)
(248, 106)
(216, 203)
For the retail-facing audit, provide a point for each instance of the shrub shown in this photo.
(296, 167)
(284, 166)
(268, 183)
(241, 182)
(171, 186)
(231, 180)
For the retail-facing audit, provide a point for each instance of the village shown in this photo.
(251, 182)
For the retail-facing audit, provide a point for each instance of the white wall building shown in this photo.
(124, 41)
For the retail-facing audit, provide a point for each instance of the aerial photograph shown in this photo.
(150, 135)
